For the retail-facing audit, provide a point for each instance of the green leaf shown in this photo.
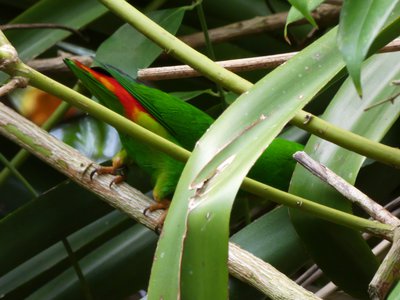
(305, 7)
(295, 15)
(91, 137)
(186, 96)
(360, 23)
(347, 260)
(122, 48)
(74, 13)
(197, 228)
(395, 293)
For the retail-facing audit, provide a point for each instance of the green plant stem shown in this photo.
(314, 208)
(11, 169)
(347, 139)
(210, 49)
(237, 84)
(22, 155)
(74, 262)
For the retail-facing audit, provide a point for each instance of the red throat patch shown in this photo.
(132, 106)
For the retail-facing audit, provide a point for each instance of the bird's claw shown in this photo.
(118, 172)
(163, 204)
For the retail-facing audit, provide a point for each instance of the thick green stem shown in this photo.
(237, 84)
(347, 139)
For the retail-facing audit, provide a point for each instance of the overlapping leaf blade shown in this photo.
(360, 23)
(305, 7)
(295, 15)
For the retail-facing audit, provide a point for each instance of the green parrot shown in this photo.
(175, 120)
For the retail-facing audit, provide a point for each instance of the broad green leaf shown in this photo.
(395, 293)
(351, 269)
(305, 7)
(47, 219)
(116, 270)
(43, 267)
(122, 48)
(197, 228)
(360, 23)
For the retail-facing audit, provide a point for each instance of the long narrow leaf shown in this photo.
(198, 250)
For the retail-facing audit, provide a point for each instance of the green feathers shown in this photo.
(184, 123)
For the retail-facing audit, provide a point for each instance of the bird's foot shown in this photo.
(118, 172)
(117, 168)
(164, 205)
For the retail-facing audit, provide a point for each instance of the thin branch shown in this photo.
(324, 15)
(78, 168)
(277, 286)
(14, 83)
(388, 272)
(235, 65)
(374, 209)
(56, 64)
(5, 27)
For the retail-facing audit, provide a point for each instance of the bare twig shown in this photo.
(78, 168)
(14, 83)
(235, 65)
(349, 191)
(324, 15)
(388, 272)
(56, 64)
(257, 272)
(5, 27)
